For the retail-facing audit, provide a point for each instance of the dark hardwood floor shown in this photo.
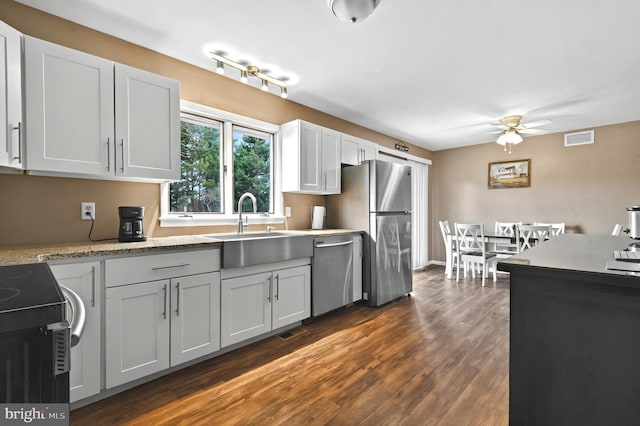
(439, 357)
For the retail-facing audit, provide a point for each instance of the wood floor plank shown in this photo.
(439, 357)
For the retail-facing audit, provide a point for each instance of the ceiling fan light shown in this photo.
(352, 11)
(515, 138)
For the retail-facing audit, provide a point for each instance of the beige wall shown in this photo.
(588, 186)
(46, 210)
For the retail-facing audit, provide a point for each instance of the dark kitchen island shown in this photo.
(575, 334)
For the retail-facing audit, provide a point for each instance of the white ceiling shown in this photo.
(432, 73)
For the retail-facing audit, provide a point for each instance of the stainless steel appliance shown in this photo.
(633, 214)
(332, 274)
(376, 198)
(35, 335)
(131, 224)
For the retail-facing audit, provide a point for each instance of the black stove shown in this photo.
(29, 297)
(34, 336)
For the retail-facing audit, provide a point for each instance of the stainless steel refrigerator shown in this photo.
(376, 198)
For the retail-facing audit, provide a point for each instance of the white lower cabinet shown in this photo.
(255, 304)
(161, 310)
(156, 325)
(84, 280)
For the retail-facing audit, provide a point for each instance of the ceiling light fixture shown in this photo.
(247, 71)
(220, 67)
(352, 11)
(508, 138)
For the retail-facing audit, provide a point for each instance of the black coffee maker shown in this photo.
(131, 224)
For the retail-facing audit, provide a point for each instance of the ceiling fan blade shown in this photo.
(496, 132)
(499, 125)
(535, 124)
(527, 131)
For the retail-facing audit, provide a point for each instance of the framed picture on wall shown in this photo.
(510, 174)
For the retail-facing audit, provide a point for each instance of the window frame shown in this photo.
(227, 217)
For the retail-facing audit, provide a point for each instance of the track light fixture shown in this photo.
(247, 71)
(220, 67)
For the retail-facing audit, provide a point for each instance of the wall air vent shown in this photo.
(579, 138)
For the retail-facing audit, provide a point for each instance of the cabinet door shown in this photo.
(10, 97)
(245, 308)
(195, 316)
(368, 152)
(84, 376)
(350, 150)
(137, 331)
(147, 108)
(357, 268)
(291, 295)
(310, 157)
(69, 109)
(331, 153)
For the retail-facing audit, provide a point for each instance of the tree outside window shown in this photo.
(199, 188)
(252, 167)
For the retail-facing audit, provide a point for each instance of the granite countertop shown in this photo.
(52, 252)
(571, 252)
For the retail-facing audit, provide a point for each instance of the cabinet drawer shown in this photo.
(136, 269)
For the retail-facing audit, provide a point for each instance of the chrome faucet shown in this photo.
(242, 225)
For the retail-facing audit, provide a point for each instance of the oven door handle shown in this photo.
(78, 314)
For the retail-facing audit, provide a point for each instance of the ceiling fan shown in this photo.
(511, 130)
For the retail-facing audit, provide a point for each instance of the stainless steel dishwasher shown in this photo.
(332, 273)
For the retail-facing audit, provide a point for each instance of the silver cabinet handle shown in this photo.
(19, 129)
(277, 286)
(164, 312)
(93, 286)
(270, 279)
(178, 299)
(158, 268)
(346, 243)
(108, 154)
(122, 155)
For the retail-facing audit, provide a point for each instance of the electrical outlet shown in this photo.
(88, 211)
(287, 211)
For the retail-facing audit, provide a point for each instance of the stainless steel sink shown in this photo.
(239, 250)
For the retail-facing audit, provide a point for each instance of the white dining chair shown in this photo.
(450, 246)
(472, 250)
(617, 229)
(504, 249)
(531, 235)
(556, 228)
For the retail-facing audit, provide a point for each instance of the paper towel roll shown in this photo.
(317, 217)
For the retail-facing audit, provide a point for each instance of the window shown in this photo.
(223, 155)
(252, 169)
(199, 189)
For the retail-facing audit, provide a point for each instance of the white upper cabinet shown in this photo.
(310, 158)
(69, 110)
(10, 97)
(356, 150)
(84, 117)
(147, 110)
